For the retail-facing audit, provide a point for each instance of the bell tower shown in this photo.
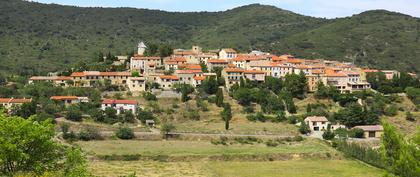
(141, 48)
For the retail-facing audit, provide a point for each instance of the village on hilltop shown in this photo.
(194, 66)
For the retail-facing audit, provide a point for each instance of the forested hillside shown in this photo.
(36, 38)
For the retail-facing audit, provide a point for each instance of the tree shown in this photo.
(328, 135)
(304, 128)
(243, 96)
(165, 50)
(226, 114)
(308, 108)
(296, 84)
(166, 128)
(135, 74)
(75, 164)
(219, 97)
(74, 113)
(111, 115)
(144, 115)
(356, 133)
(27, 146)
(210, 86)
(400, 156)
(126, 117)
(125, 133)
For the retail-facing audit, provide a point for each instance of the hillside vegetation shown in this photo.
(36, 38)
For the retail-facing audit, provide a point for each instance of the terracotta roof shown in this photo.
(188, 71)
(294, 61)
(230, 65)
(371, 127)
(199, 78)
(233, 70)
(370, 70)
(145, 58)
(50, 78)
(190, 66)
(317, 119)
(172, 77)
(217, 61)
(229, 50)
(109, 101)
(97, 73)
(64, 97)
(332, 73)
(184, 53)
(15, 100)
(254, 72)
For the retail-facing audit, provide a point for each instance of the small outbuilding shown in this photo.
(372, 131)
(150, 123)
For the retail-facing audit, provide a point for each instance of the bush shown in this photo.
(304, 128)
(192, 114)
(292, 119)
(149, 96)
(74, 113)
(298, 138)
(89, 133)
(248, 109)
(356, 133)
(222, 140)
(391, 110)
(271, 143)
(125, 133)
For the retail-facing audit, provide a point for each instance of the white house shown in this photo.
(120, 105)
(68, 100)
(227, 54)
(317, 123)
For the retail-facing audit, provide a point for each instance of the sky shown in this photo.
(316, 8)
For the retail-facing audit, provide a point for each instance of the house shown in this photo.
(63, 81)
(211, 64)
(137, 84)
(9, 103)
(227, 54)
(142, 64)
(167, 81)
(232, 76)
(120, 105)
(371, 131)
(187, 76)
(390, 74)
(68, 100)
(92, 78)
(254, 75)
(317, 123)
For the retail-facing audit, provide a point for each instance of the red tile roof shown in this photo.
(233, 70)
(217, 61)
(229, 50)
(109, 101)
(199, 78)
(317, 119)
(64, 97)
(15, 100)
(172, 77)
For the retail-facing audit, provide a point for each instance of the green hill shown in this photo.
(36, 38)
(375, 38)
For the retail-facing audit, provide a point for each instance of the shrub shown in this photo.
(298, 138)
(192, 114)
(222, 140)
(271, 143)
(125, 133)
(89, 133)
(248, 109)
(149, 96)
(74, 113)
(356, 133)
(304, 128)
(328, 135)
(292, 119)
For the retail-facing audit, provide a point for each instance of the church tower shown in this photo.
(141, 48)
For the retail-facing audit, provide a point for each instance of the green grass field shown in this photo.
(191, 148)
(291, 168)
